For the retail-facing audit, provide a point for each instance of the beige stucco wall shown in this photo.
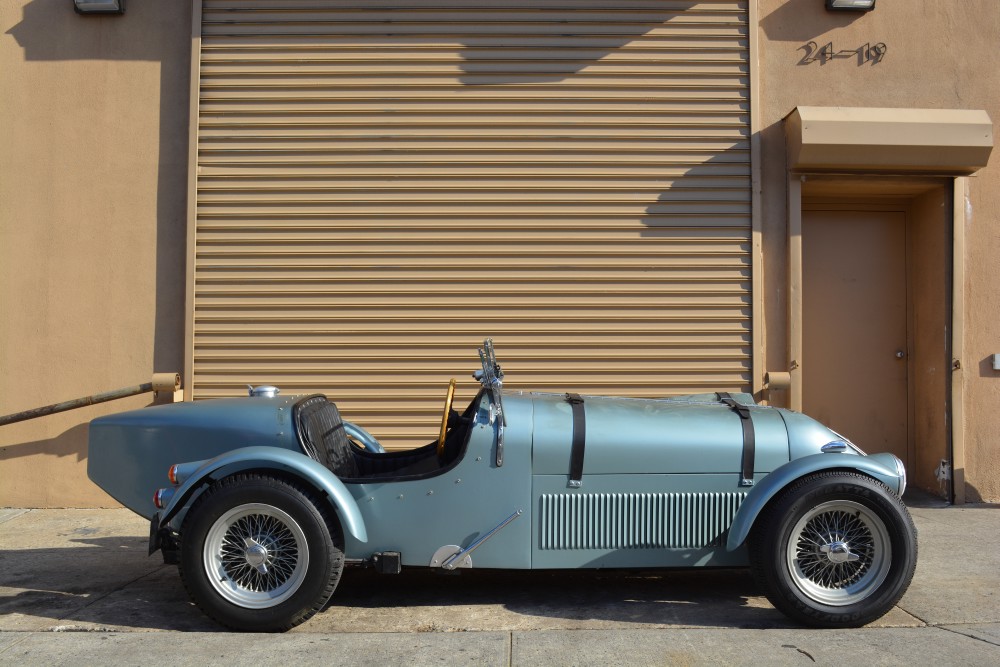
(93, 175)
(938, 56)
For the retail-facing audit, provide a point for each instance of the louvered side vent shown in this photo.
(637, 520)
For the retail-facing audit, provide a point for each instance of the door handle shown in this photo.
(900, 354)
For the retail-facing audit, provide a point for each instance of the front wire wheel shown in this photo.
(256, 556)
(260, 554)
(836, 549)
(839, 553)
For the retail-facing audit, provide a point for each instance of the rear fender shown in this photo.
(264, 458)
(880, 466)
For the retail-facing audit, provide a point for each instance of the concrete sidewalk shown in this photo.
(76, 587)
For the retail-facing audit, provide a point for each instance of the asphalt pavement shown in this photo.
(76, 587)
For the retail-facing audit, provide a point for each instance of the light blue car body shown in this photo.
(661, 484)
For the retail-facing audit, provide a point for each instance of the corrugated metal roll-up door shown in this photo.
(380, 188)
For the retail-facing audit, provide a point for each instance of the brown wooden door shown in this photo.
(854, 326)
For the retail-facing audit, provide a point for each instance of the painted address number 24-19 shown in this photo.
(866, 53)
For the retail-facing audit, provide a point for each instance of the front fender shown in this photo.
(298, 464)
(880, 466)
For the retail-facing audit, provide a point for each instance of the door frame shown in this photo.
(955, 391)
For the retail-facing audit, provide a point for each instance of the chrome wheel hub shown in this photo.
(256, 556)
(839, 553)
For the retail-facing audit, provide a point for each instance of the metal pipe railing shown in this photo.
(161, 382)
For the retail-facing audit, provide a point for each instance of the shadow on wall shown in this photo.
(484, 59)
(798, 21)
(972, 494)
(52, 31)
(675, 220)
(70, 443)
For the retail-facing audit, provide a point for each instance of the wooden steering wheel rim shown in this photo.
(444, 418)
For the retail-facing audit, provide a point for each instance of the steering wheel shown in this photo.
(444, 418)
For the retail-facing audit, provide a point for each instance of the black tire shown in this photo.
(834, 550)
(274, 551)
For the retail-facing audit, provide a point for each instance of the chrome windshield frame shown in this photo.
(491, 377)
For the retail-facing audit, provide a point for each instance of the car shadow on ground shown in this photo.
(94, 583)
(108, 583)
(514, 600)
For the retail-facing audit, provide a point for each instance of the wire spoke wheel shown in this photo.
(836, 549)
(255, 556)
(260, 554)
(839, 553)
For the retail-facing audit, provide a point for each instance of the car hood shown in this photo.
(689, 434)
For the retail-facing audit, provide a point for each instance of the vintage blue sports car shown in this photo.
(262, 501)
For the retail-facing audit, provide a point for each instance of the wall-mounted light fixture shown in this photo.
(850, 5)
(99, 6)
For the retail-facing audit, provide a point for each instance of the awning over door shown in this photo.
(938, 141)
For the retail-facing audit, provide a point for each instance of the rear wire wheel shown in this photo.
(260, 554)
(835, 549)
